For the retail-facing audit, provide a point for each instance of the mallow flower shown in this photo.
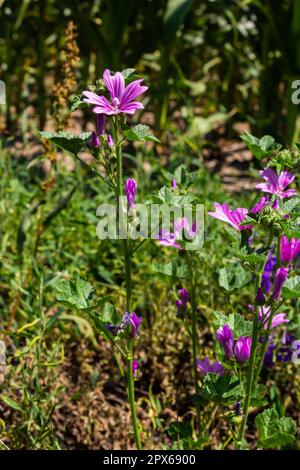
(277, 320)
(262, 203)
(121, 97)
(280, 278)
(130, 188)
(289, 249)
(242, 348)
(276, 184)
(135, 366)
(268, 272)
(206, 366)
(181, 303)
(135, 322)
(232, 217)
(173, 239)
(225, 337)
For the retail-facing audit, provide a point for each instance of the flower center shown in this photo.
(115, 102)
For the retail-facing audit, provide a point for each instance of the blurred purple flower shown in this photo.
(276, 184)
(110, 140)
(232, 217)
(264, 202)
(268, 271)
(225, 337)
(206, 366)
(135, 366)
(135, 323)
(289, 249)
(278, 319)
(280, 278)
(121, 97)
(242, 348)
(174, 184)
(95, 142)
(181, 303)
(100, 126)
(260, 298)
(130, 188)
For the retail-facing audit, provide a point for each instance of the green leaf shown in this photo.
(237, 323)
(260, 148)
(175, 13)
(11, 403)
(291, 288)
(141, 133)
(77, 293)
(78, 103)
(166, 196)
(127, 72)
(233, 277)
(223, 389)
(69, 142)
(274, 431)
(258, 396)
(172, 269)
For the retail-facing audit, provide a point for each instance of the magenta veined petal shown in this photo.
(115, 84)
(132, 91)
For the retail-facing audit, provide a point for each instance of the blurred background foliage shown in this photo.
(233, 56)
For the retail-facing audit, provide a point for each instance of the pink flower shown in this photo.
(135, 366)
(231, 217)
(130, 188)
(278, 319)
(135, 322)
(167, 238)
(121, 97)
(242, 348)
(225, 337)
(280, 278)
(276, 184)
(289, 249)
(205, 366)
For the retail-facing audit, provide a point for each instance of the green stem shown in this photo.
(250, 376)
(127, 260)
(194, 336)
(131, 397)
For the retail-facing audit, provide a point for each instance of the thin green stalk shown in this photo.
(251, 369)
(127, 260)
(250, 377)
(194, 337)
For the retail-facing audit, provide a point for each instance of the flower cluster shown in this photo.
(181, 303)
(128, 319)
(239, 349)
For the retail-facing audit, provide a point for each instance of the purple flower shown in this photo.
(278, 319)
(225, 337)
(260, 298)
(135, 323)
(100, 124)
(135, 366)
(174, 184)
(110, 140)
(120, 327)
(269, 356)
(268, 271)
(130, 188)
(276, 184)
(205, 366)
(289, 249)
(95, 142)
(121, 97)
(166, 238)
(181, 303)
(280, 278)
(242, 348)
(232, 217)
